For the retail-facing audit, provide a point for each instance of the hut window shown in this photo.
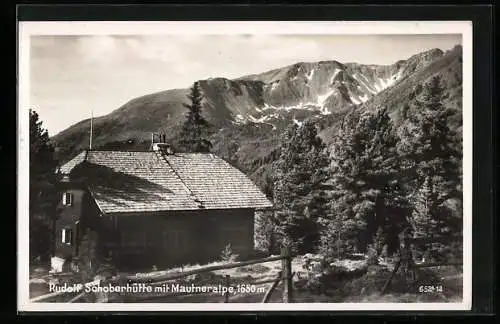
(66, 236)
(114, 221)
(67, 199)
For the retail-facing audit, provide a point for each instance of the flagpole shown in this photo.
(91, 121)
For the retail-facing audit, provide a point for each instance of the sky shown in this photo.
(70, 76)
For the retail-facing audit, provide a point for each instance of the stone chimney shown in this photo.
(164, 148)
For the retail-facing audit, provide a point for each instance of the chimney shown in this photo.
(162, 146)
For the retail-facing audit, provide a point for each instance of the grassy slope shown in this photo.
(134, 121)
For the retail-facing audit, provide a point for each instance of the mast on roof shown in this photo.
(162, 145)
(91, 122)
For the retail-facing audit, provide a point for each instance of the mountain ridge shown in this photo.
(272, 99)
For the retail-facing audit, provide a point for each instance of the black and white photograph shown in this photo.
(245, 166)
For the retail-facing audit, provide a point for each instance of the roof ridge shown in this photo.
(184, 184)
(114, 150)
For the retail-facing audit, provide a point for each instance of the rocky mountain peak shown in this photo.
(272, 99)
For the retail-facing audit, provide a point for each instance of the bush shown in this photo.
(372, 256)
(106, 268)
(264, 229)
(313, 262)
(40, 240)
(228, 255)
(439, 252)
(86, 264)
(323, 277)
(372, 283)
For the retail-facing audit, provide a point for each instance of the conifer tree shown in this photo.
(42, 198)
(427, 143)
(383, 179)
(432, 157)
(195, 130)
(423, 219)
(339, 229)
(367, 194)
(264, 231)
(376, 247)
(299, 197)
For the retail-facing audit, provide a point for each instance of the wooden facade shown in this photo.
(160, 238)
(77, 213)
(179, 237)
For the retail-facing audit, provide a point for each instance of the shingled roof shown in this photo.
(122, 181)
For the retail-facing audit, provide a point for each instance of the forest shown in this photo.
(371, 182)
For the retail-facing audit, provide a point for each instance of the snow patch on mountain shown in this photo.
(359, 92)
(364, 98)
(377, 85)
(324, 111)
(310, 74)
(322, 98)
(378, 88)
(335, 72)
(385, 83)
(258, 120)
(274, 85)
(300, 105)
(366, 83)
(389, 82)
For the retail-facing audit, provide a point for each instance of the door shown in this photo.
(77, 237)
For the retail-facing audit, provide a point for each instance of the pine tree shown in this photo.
(299, 197)
(42, 162)
(338, 234)
(428, 145)
(424, 217)
(432, 157)
(376, 247)
(367, 194)
(383, 178)
(194, 133)
(42, 198)
(264, 231)
(340, 230)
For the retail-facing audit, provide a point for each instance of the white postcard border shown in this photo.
(27, 29)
